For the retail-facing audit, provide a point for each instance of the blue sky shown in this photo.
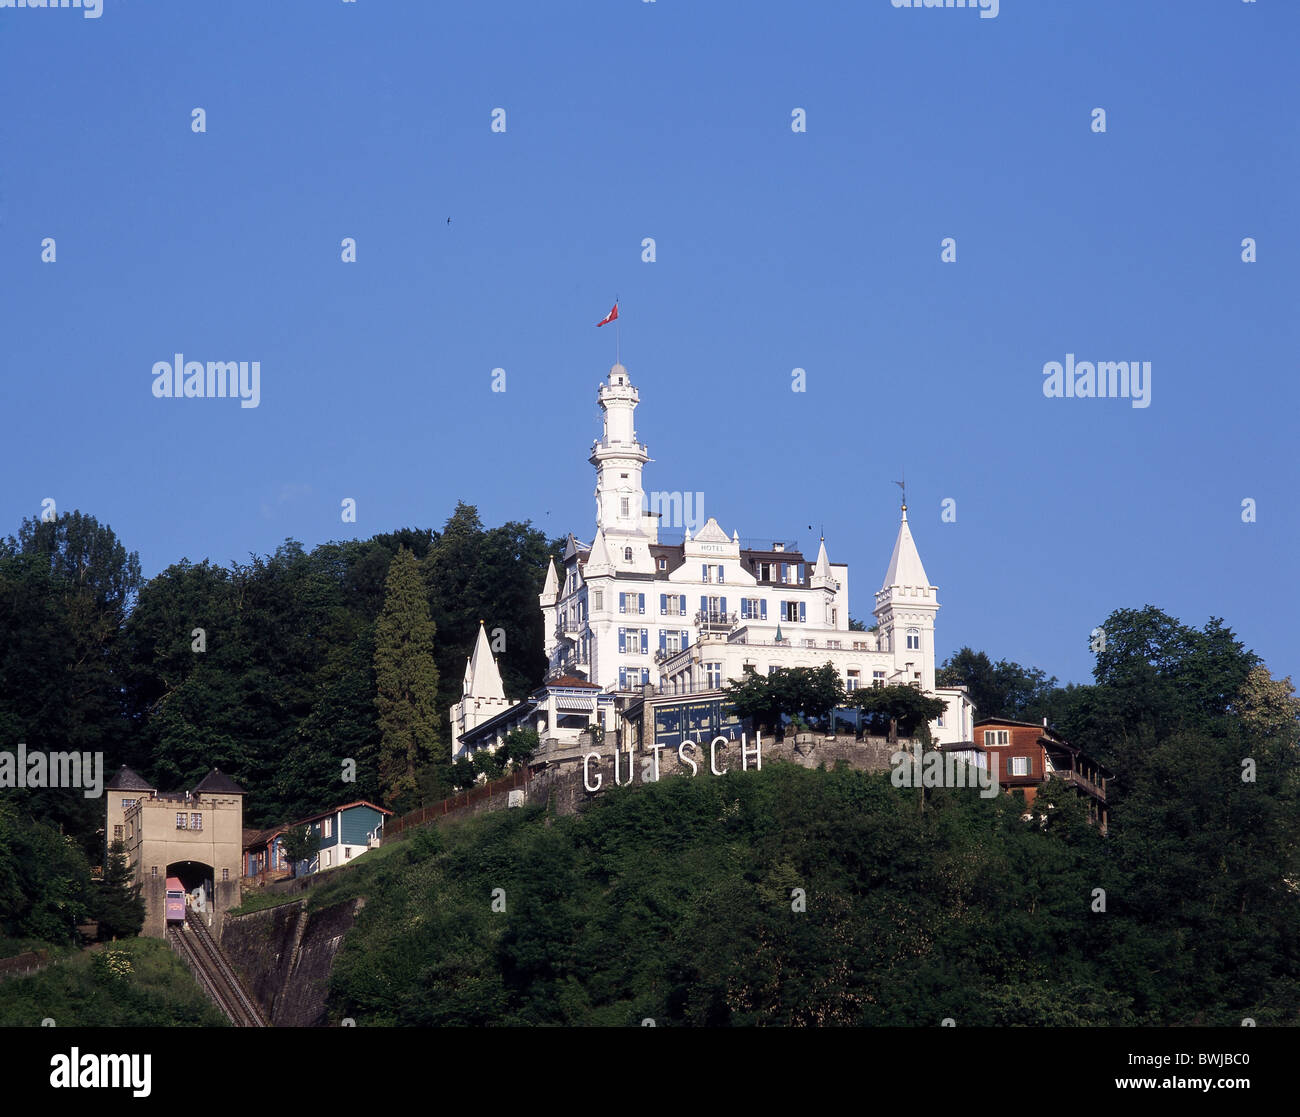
(775, 250)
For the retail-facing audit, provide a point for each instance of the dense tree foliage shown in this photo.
(798, 897)
(406, 685)
(898, 710)
(264, 668)
(999, 690)
(806, 695)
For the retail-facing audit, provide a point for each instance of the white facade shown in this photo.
(483, 695)
(630, 611)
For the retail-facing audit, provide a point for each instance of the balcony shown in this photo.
(709, 621)
(1080, 781)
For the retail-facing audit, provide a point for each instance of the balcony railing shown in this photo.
(709, 621)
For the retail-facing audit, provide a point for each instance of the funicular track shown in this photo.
(195, 944)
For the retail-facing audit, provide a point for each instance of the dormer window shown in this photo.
(663, 564)
(627, 554)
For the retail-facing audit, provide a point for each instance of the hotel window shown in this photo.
(792, 611)
(182, 820)
(663, 564)
(877, 678)
(225, 874)
(771, 668)
(913, 640)
(833, 643)
(196, 822)
(627, 554)
(670, 642)
(598, 600)
(713, 675)
(764, 571)
(327, 828)
(940, 719)
(623, 509)
(753, 609)
(855, 681)
(672, 604)
(997, 737)
(808, 643)
(1017, 765)
(127, 804)
(117, 833)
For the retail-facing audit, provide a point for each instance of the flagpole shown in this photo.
(618, 336)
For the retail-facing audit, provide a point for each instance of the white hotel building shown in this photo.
(630, 611)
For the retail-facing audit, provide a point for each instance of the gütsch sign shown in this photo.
(686, 755)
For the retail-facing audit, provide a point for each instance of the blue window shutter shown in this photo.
(724, 606)
(663, 603)
(781, 613)
(663, 640)
(622, 639)
(645, 641)
(704, 604)
(802, 616)
(640, 603)
(744, 608)
(785, 571)
(762, 605)
(683, 605)
(622, 678)
(686, 638)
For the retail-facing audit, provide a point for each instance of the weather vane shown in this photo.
(903, 485)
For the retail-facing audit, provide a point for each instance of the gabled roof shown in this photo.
(218, 783)
(127, 780)
(711, 532)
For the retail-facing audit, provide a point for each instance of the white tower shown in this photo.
(618, 458)
(906, 605)
(483, 695)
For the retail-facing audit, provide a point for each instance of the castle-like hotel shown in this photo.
(629, 613)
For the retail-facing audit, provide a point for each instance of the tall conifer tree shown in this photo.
(406, 681)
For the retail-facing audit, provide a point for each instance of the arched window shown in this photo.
(913, 639)
(627, 554)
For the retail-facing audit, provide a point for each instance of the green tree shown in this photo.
(406, 681)
(905, 709)
(999, 690)
(118, 905)
(299, 843)
(518, 748)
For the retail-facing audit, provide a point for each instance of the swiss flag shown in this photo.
(609, 317)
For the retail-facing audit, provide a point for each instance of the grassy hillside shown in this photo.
(678, 902)
(131, 983)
